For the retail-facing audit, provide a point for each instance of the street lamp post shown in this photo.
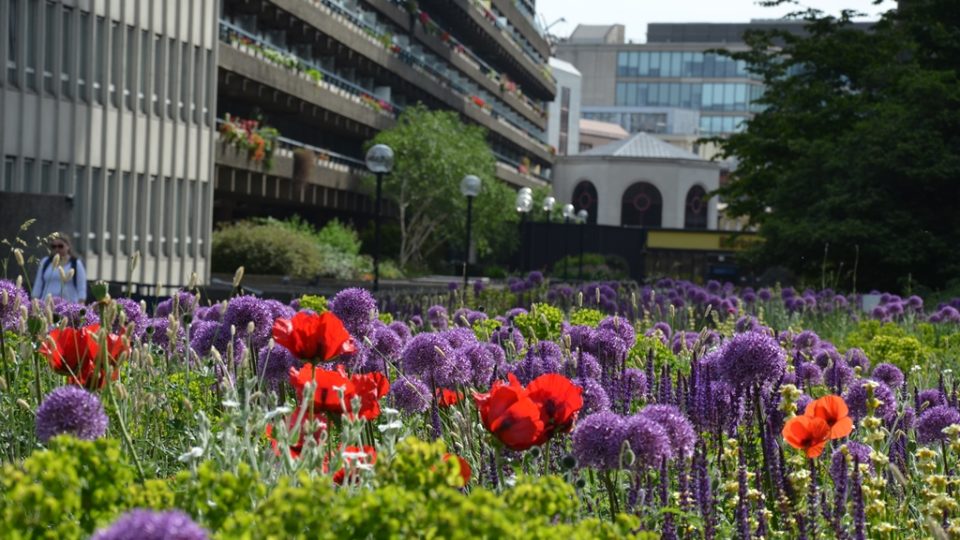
(380, 162)
(567, 216)
(548, 204)
(470, 188)
(524, 205)
(582, 218)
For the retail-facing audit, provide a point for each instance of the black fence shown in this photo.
(543, 244)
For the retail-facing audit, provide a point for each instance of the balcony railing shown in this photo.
(513, 36)
(255, 46)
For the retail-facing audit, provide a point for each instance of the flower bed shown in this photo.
(603, 411)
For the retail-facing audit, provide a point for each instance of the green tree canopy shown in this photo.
(857, 147)
(433, 151)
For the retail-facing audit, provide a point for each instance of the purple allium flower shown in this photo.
(550, 354)
(429, 356)
(241, 311)
(930, 398)
(806, 340)
(535, 277)
(751, 358)
(438, 318)
(11, 298)
(357, 309)
(416, 321)
(802, 403)
(856, 398)
(597, 440)
(385, 343)
(202, 336)
(273, 365)
(789, 377)
(133, 315)
(648, 439)
(678, 428)
(460, 317)
(747, 323)
(474, 317)
(840, 467)
(810, 374)
(508, 334)
(478, 287)
(401, 330)
(187, 303)
(622, 328)
(888, 374)
(611, 350)
(586, 366)
(915, 302)
(75, 314)
(825, 355)
(410, 395)
(452, 286)
(633, 383)
(932, 421)
(159, 337)
(512, 313)
(838, 375)
(71, 410)
(279, 310)
(595, 398)
(856, 358)
(583, 338)
(684, 341)
(143, 524)
(209, 313)
(482, 362)
(764, 295)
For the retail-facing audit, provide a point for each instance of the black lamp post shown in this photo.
(567, 216)
(380, 162)
(548, 204)
(470, 187)
(524, 205)
(582, 218)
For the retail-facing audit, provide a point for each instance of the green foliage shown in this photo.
(265, 248)
(484, 328)
(541, 322)
(585, 317)
(596, 267)
(313, 302)
(856, 148)
(433, 151)
(903, 352)
(66, 491)
(662, 355)
(340, 236)
(212, 495)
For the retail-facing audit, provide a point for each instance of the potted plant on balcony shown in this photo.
(524, 167)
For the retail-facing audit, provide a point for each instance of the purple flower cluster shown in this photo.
(71, 410)
(931, 423)
(751, 359)
(140, 524)
(656, 433)
(357, 309)
(11, 298)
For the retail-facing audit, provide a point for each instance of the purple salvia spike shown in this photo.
(859, 516)
(812, 498)
(743, 503)
(669, 530)
(650, 374)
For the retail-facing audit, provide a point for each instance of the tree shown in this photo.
(855, 158)
(433, 151)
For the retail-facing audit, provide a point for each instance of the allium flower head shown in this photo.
(410, 395)
(583, 338)
(508, 334)
(810, 374)
(357, 309)
(750, 359)
(622, 327)
(840, 467)
(648, 439)
(429, 356)
(159, 327)
(888, 374)
(71, 410)
(143, 524)
(133, 315)
(597, 440)
(856, 398)
(587, 366)
(402, 331)
(273, 365)
(930, 398)
(75, 314)
(680, 432)
(438, 318)
(856, 358)
(11, 298)
(595, 398)
(633, 383)
(932, 421)
(386, 343)
(186, 303)
(838, 375)
(202, 336)
(241, 311)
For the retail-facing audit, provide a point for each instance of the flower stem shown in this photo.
(125, 433)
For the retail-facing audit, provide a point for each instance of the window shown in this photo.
(141, 216)
(31, 38)
(633, 66)
(183, 103)
(46, 179)
(622, 59)
(29, 176)
(564, 119)
(695, 210)
(83, 66)
(129, 91)
(676, 64)
(96, 208)
(208, 97)
(158, 69)
(13, 24)
(144, 47)
(99, 59)
(6, 184)
(66, 52)
(199, 76)
(156, 223)
(81, 206)
(124, 218)
(116, 63)
(111, 207)
(180, 208)
(50, 20)
(654, 64)
(644, 69)
(63, 179)
(585, 196)
(171, 74)
(641, 205)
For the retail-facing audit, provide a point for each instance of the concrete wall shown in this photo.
(53, 213)
(112, 102)
(571, 80)
(598, 67)
(612, 176)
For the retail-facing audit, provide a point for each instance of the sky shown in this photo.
(635, 14)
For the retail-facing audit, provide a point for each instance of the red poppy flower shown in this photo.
(832, 410)
(510, 415)
(74, 352)
(369, 387)
(559, 401)
(352, 457)
(313, 337)
(465, 471)
(297, 447)
(447, 397)
(807, 433)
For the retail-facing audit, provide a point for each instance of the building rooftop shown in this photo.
(598, 33)
(642, 145)
(563, 65)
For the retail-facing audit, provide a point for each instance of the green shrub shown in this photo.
(542, 322)
(313, 302)
(340, 236)
(266, 248)
(596, 267)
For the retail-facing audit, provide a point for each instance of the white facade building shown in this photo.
(640, 181)
(112, 103)
(563, 131)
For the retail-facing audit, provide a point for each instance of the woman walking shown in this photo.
(61, 274)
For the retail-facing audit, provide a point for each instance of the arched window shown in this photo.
(642, 205)
(585, 196)
(695, 213)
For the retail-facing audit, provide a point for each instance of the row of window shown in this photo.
(679, 64)
(642, 205)
(703, 96)
(718, 125)
(122, 205)
(633, 122)
(142, 65)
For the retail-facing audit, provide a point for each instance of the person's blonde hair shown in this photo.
(65, 238)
